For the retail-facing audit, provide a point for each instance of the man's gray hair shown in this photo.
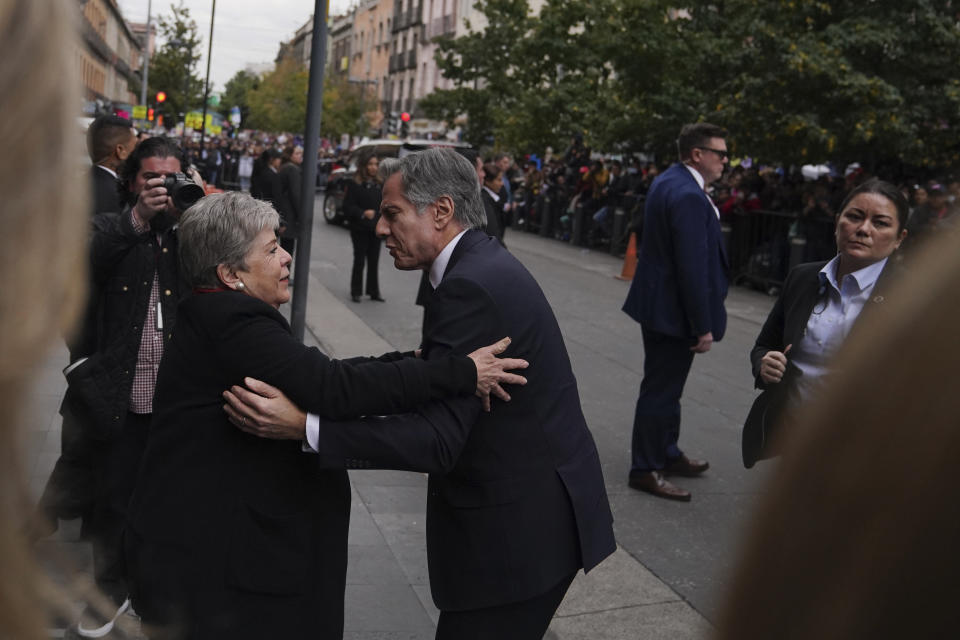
(428, 175)
(220, 229)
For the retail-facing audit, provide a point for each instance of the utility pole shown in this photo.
(308, 186)
(146, 56)
(206, 84)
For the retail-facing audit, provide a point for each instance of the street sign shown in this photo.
(140, 112)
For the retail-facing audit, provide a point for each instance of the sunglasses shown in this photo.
(720, 152)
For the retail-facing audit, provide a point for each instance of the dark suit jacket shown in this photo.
(494, 215)
(250, 532)
(680, 282)
(289, 200)
(516, 498)
(106, 195)
(271, 187)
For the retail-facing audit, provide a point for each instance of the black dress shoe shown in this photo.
(684, 466)
(378, 298)
(653, 482)
(355, 298)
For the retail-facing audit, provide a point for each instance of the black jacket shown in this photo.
(516, 499)
(123, 266)
(494, 211)
(359, 197)
(289, 205)
(106, 191)
(785, 325)
(248, 528)
(270, 187)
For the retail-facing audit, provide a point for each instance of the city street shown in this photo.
(667, 579)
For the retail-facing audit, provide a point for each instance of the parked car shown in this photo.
(340, 177)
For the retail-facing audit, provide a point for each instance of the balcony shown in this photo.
(412, 59)
(445, 26)
(413, 15)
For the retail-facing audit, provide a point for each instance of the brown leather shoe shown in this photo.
(684, 466)
(653, 482)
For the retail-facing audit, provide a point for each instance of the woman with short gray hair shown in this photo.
(230, 535)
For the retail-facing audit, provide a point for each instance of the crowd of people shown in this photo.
(763, 208)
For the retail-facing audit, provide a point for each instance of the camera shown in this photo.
(182, 190)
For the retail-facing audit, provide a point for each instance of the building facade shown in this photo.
(341, 42)
(109, 59)
(370, 53)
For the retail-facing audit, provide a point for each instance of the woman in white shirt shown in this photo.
(819, 305)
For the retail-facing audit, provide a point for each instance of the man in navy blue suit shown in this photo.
(516, 502)
(677, 297)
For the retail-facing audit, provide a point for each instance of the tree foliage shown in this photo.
(794, 81)
(173, 68)
(279, 102)
(346, 107)
(236, 94)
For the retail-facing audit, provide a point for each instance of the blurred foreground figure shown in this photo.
(857, 536)
(42, 261)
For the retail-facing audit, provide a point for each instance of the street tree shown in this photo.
(236, 94)
(173, 68)
(347, 107)
(794, 81)
(279, 102)
(807, 81)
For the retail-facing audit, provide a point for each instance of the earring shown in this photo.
(240, 286)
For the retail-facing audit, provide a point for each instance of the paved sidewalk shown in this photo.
(388, 595)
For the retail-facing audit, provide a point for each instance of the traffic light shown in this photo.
(404, 124)
(393, 124)
(161, 96)
(150, 114)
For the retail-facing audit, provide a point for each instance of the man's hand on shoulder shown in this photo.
(493, 371)
(263, 411)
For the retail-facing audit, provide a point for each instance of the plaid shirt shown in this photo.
(151, 343)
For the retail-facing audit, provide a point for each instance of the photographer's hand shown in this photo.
(152, 200)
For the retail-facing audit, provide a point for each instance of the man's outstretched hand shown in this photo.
(493, 371)
(263, 410)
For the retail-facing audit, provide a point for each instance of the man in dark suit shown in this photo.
(110, 139)
(516, 501)
(677, 297)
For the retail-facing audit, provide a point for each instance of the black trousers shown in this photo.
(118, 463)
(69, 492)
(366, 248)
(656, 423)
(525, 620)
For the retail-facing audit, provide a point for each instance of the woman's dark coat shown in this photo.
(245, 536)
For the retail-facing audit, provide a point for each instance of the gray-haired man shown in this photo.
(516, 502)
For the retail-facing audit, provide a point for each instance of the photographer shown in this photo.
(136, 288)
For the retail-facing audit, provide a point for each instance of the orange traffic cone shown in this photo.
(629, 260)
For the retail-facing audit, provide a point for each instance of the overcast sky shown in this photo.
(244, 31)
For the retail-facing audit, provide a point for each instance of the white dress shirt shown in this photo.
(699, 178)
(831, 321)
(437, 269)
